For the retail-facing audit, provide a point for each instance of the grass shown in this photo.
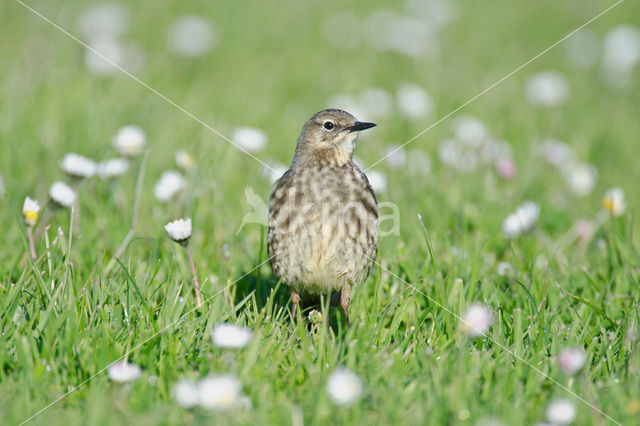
(64, 319)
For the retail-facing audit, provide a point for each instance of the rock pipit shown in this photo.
(323, 214)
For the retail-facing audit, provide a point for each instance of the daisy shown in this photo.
(186, 393)
(580, 178)
(250, 139)
(547, 89)
(220, 392)
(191, 36)
(184, 160)
(395, 156)
(377, 180)
(621, 53)
(104, 56)
(113, 168)
(413, 102)
(476, 320)
(78, 166)
(522, 220)
(130, 141)
(180, 232)
(377, 102)
(231, 336)
(344, 387)
(571, 360)
(106, 20)
(62, 194)
(274, 171)
(561, 412)
(30, 210)
(613, 201)
(123, 372)
(169, 184)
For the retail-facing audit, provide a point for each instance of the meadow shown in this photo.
(559, 276)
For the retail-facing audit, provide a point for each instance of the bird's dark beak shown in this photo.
(360, 125)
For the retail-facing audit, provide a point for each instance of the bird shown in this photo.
(323, 213)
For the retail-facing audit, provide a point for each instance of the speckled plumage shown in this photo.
(323, 214)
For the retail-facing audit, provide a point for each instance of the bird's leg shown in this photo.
(295, 301)
(345, 297)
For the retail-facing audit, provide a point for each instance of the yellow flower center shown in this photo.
(30, 217)
(607, 202)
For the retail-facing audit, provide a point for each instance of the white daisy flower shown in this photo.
(30, 210)
(78, 166)
(274, 171)
(62, 194)
(169, 184)
(105, 20)
(522, 220)
(412, 37)
(454, 154)
(580, 178)
(413, 101)
(377, 102)
(476, 320)
(583, 48)
(571, 360)
(179, 230)
(220, 392)
(555, 152)
(191, 36)
(231, 336)
(186, 393)
(112, 168)
(621, 50)
(436, 13)
(614, 202)
(377, 180)
(344, 387)
(123, 372)
(470, 131)
(396, 156)
(504, 269)
(130, 141)
(250, 139)
(561, 412)
(106, 56)
(547, 89)
(184, 160)
(109, 52)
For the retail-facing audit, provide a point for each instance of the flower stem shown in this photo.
(32, 247)
(196, 285)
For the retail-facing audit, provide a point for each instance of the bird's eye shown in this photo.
(328, 125)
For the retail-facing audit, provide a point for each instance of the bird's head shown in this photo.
(331, 130)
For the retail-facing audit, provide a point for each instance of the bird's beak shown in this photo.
(360, 125)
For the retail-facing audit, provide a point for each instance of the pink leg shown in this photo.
(345, 297)
(295, 300)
